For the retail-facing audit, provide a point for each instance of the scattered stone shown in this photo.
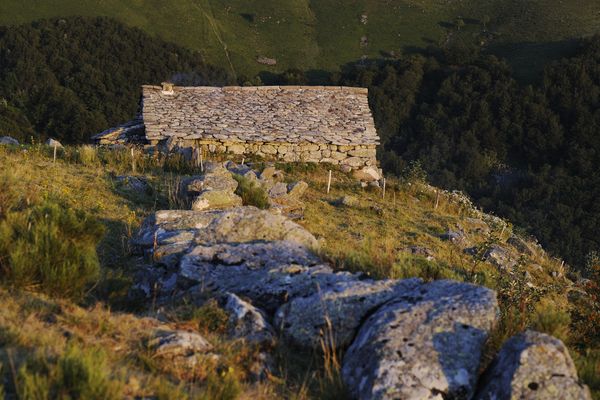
(345, 169)
(337, 312)
(131, 132)
(216, 200)
(53, 143)
(280, 189)
(7, 140)
(347, 201)
(367, 174)
(456, 237)
(170, 344)
(266, 60)
(218, 178)
(374, 184)
(134, 184)
(296, 190)
(422, 252)
(426, 344)
(532, 365)
(247, 322)
(500, 257)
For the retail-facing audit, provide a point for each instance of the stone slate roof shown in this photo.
(292, 114)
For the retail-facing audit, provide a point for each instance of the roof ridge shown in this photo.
(346, 89)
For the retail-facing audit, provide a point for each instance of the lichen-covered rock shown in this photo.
(530, 366)
(216, 200)
(268, 273)
(178, 343)
(296, 190)
(216, 178)
(426, 344)
(237, 225)
(134, 184)
(247, 322)
(7, 140)
(278, 190)
(367, 174)
(340, 309)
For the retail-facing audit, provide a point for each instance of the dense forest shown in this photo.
(528, 153)
(71, 78)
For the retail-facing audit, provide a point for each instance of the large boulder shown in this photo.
(7, 140)
(426, 344)
(236, 225)
(340, 309)
(216, 200)
(532, 365)
(216, 177)
(267, 273)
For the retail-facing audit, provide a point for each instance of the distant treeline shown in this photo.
(71, 78)
(531, 154)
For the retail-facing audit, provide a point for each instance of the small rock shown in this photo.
(421, 251)
(178, 343)
(296, 190)
(267, 173)
(367, 174)
(500, 257)
(134, 183)
(426, 344)
(347, 201)
(247, 322)
(7, 140)
(216, 200)
(455, 237)
(532, 365)
(374, 184)
(53, 143)
(345, 168)
(278, 190)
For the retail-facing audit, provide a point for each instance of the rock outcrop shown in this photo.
(531, 366)
(405, 339)
(7, 140)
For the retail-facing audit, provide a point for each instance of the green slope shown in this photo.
(323, 34)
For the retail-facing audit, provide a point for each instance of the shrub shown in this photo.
(50, 249)
(87, 155)
(252, 193)
(76, 374)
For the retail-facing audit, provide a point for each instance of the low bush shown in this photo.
(76, 374)
(252, 193)
(50, 249)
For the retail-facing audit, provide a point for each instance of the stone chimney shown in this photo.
(167, 88)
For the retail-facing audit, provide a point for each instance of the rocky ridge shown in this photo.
(404, 338)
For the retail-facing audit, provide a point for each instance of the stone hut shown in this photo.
(288, 123)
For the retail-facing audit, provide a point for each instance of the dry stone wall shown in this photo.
(288, 123)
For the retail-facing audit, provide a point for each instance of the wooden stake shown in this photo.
(55, 146)
(437, 199)
(394, 197)
(383, 194)
(329, 182)
(132, 161)
(201, 163)
(243, 159)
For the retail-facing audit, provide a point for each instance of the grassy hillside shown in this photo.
(325, 34)
(41, 335)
